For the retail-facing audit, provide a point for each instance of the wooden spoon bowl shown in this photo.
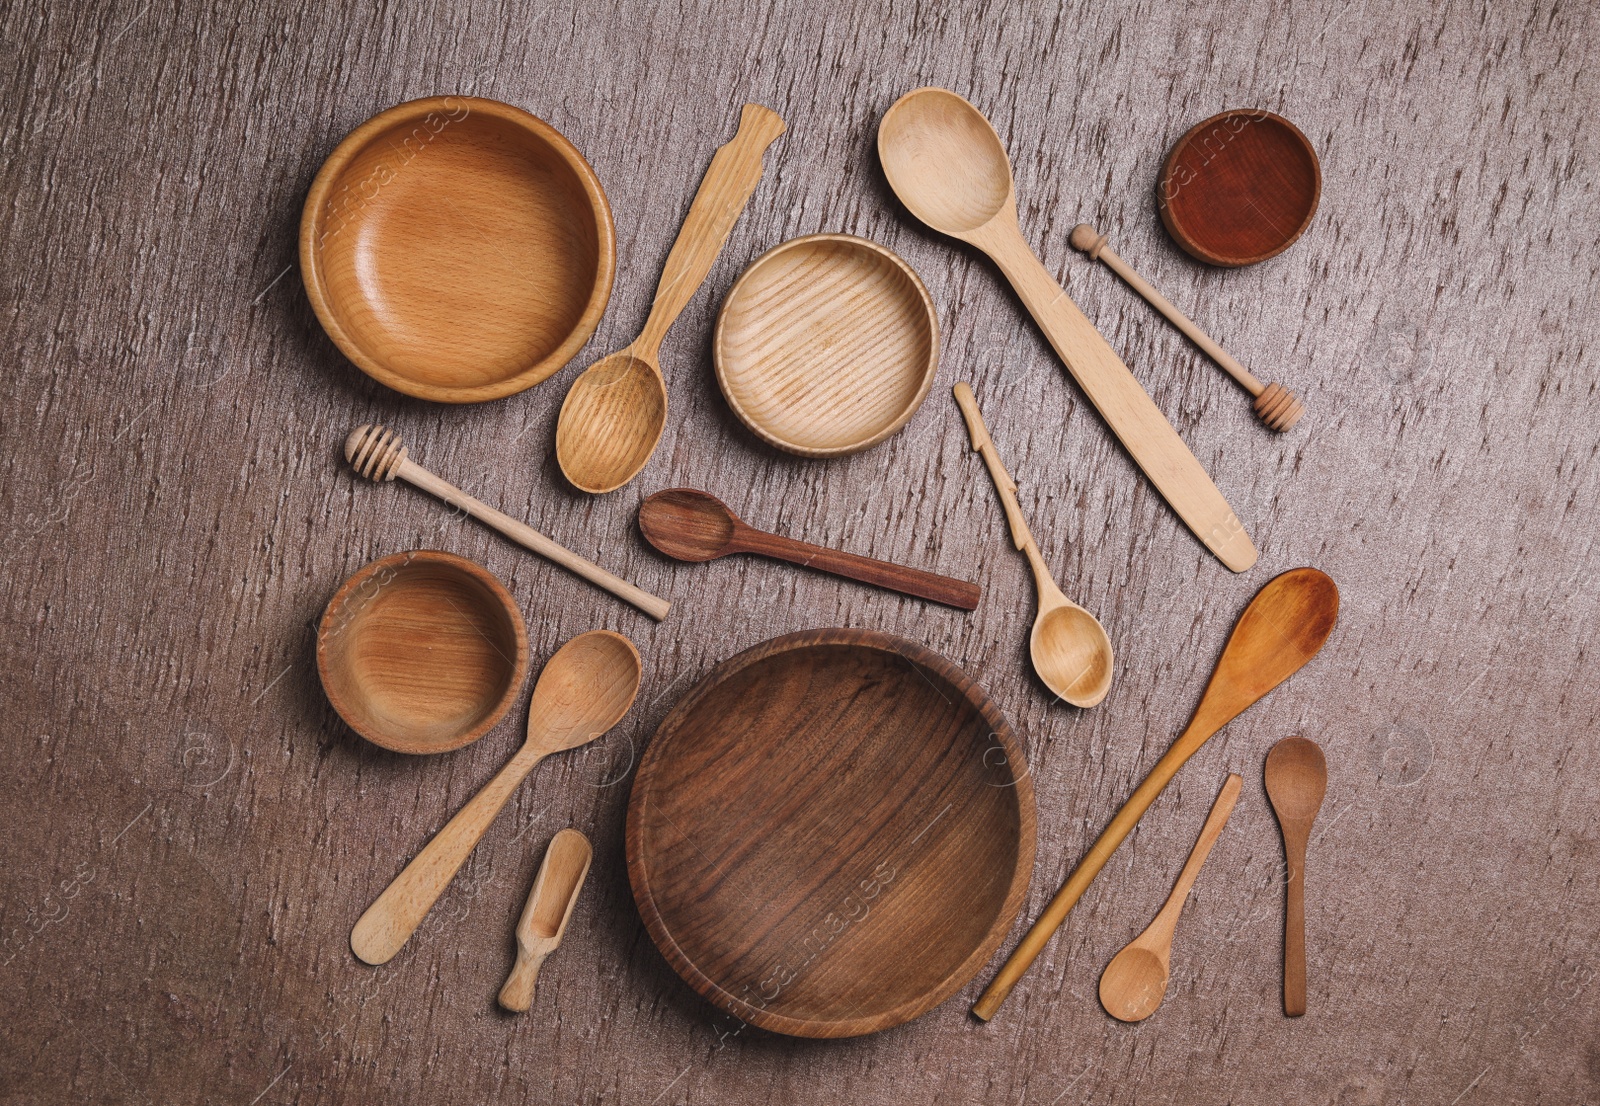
(831, 833)
(826, 345)
(457, 249)
(422, 652)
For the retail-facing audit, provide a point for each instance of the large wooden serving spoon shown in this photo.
(613, 416)
(584, 690)
(947, 165)
(1135, 981)
(1283, 627)
(1068, 646)
(1297, 779)
(691, 525)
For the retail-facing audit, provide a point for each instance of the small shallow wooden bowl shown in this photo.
(831, 833)
(1239, 187)
(457, 249)
(826, 345)
(422, 652)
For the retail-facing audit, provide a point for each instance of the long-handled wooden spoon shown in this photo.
(584, 690)
(1283, 627)
(947, 165)
(1297, 779)
(1135, 981)
(1069, 647)
(614, 413)
(378, 454)
(1275, 405)
(692, 525)
(544, 919)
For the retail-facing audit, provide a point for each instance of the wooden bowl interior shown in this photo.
(1240, 188)
(829, 840)
(463, 258)
(826, 345)
(422, 656)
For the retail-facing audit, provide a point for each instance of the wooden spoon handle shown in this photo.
(853, 566)
(391, 920)
(1221, 811)
(517, 994)
(734, 172)
(1294, 929)
(1127, 409)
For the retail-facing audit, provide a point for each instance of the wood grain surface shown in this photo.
(189, 831)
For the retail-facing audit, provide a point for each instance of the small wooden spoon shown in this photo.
(584, 690)
(1069, 647)
(691, 525)
(614, 413)
(1297, 779)
(1135, 981)
(544, 919)
(1283, 627)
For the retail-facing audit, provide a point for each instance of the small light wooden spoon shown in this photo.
(947, 165)
(544, 919)
(584, 690)
(1070, 650)
(1283, 627)
(1297, 779)
(614, 413)
(1275, 405)
(1135, 981)
(691, 525)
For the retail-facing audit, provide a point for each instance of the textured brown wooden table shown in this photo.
(187, 832)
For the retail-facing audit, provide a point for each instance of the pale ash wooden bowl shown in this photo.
(457, 249)
(422, 652)
(826, 345)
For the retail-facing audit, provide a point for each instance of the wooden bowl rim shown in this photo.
(1010, 907)
(323, 304)
(930, 370)
(1181, 235)
(470, 569)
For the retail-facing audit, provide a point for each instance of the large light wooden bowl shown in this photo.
(831, 833)
(422, 652)
(457, 249)
(826, 345)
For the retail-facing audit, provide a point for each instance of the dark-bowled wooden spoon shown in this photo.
(1297, 778)
(690, 525)
(1283, 627)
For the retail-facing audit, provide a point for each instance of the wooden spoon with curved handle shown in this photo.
(1283, 627)
(584, 690)
(1297, 779)
(1135, 981)
(947, 165)
(1275, 405)
(544, 919)
(615, 411)
(1068, 646)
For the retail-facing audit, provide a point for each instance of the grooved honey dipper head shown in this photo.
(1277, 407)
(374, 452)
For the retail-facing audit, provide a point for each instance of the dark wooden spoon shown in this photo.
(1297, 779)
(691, 525)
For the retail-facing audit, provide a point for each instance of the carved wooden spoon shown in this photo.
(584, 690)
(544, 920)
(1135, 981)
(613, 416)
(691, 525)
(1283, 627)
(1297, 779)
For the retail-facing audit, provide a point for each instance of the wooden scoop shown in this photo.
(1069, 647)
(1297, 779)
(584, 690)
(1135, 981)
(544, 919)
(1275, 405)
(947, 165)
(614, 413)
(1283, 627)
(691, 525)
